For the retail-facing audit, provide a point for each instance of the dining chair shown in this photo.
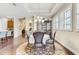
(54, 40)
(38, 37)
(51, 41)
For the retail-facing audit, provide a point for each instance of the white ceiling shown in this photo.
(29, 9)
(39, 7)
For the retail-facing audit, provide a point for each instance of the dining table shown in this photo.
(45, 38)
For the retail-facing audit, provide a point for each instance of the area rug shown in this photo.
(46, 51)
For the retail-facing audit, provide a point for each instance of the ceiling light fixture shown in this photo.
(38, 17)
(41, 17)
(35, 20)
(42, 20)
(39, 20)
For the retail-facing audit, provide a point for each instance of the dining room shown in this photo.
(46, 29)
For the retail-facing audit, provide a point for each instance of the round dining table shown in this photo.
(45, 38)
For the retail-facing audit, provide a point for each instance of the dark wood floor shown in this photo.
(9, 48)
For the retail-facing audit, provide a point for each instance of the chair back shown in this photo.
(38, 36)
(54, 36)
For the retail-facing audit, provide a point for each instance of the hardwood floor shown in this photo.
(10, 49)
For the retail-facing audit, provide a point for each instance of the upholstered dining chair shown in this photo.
(52, 40)
(38, 37)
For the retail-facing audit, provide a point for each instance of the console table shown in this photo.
(4, 34)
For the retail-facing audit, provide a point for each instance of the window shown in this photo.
(77, 22)
(61, 21)
(55, 22)
(77, 8)
(78, 16)
(3, 23)
(67, 17)
(0, 24)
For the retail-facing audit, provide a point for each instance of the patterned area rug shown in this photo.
(45, 51)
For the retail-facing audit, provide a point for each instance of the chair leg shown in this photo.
(54, 48)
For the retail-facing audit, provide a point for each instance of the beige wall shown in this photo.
(70, 39)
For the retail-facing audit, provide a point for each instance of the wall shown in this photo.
(3, 27)
(17, 31)
(69, 39)
(29, 20)
(3, 23)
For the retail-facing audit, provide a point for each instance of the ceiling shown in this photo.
(29, 9)
(39, 7)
